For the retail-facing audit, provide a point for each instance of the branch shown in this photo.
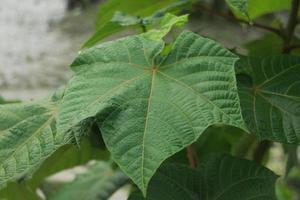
(292, 159)
(289, 48)
(292, 23)
(191, 156)
(234, 19)
(261, 150)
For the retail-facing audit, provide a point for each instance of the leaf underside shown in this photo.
(149, 107)
(271, 102)
(220, 177)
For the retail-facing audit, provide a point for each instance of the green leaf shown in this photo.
(269, 44)
(258, 8)
(106, 30)
(116, 16)
(66, 157)
(167, 23)
(271, 100)
(2, 101)
(98, 183)
(219, 178)
(149, 108)
(133, 7)
(28, 136)
(255, 8)
(16, 191)
(238, 5)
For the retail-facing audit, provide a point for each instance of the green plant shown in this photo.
(163, 110)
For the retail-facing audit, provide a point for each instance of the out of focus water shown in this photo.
(35, 51)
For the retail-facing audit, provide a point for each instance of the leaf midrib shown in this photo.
(146, 127)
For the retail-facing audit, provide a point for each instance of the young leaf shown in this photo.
(135, 14)
(149, 109)
(238, 5)
(167, 23)
(133, 7)
(271, 102)
(98, 183)
(219, 178)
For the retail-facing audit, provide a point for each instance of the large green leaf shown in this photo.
(98, 183)
(219, 178)
(148, 107)
(271, 100)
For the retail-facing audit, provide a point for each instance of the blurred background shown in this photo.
(39, 39)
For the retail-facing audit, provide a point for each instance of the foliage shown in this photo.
(99, 182)
(216, 179)
(165, 111)
(272, 100)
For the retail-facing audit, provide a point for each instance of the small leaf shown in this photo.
(220, 177)
(271, 100)
(118, 15)
(149, 107)
(168, 22)
(238, 5)
(98, 183)
(136, 8)
(125, 19)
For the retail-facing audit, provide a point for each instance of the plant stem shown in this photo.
(290, 29)
(191, 156)
(234, 19)
(292, 159)
(261, 150)
(291, 25)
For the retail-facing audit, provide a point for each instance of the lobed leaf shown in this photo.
(149, 107)
(271, 100)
